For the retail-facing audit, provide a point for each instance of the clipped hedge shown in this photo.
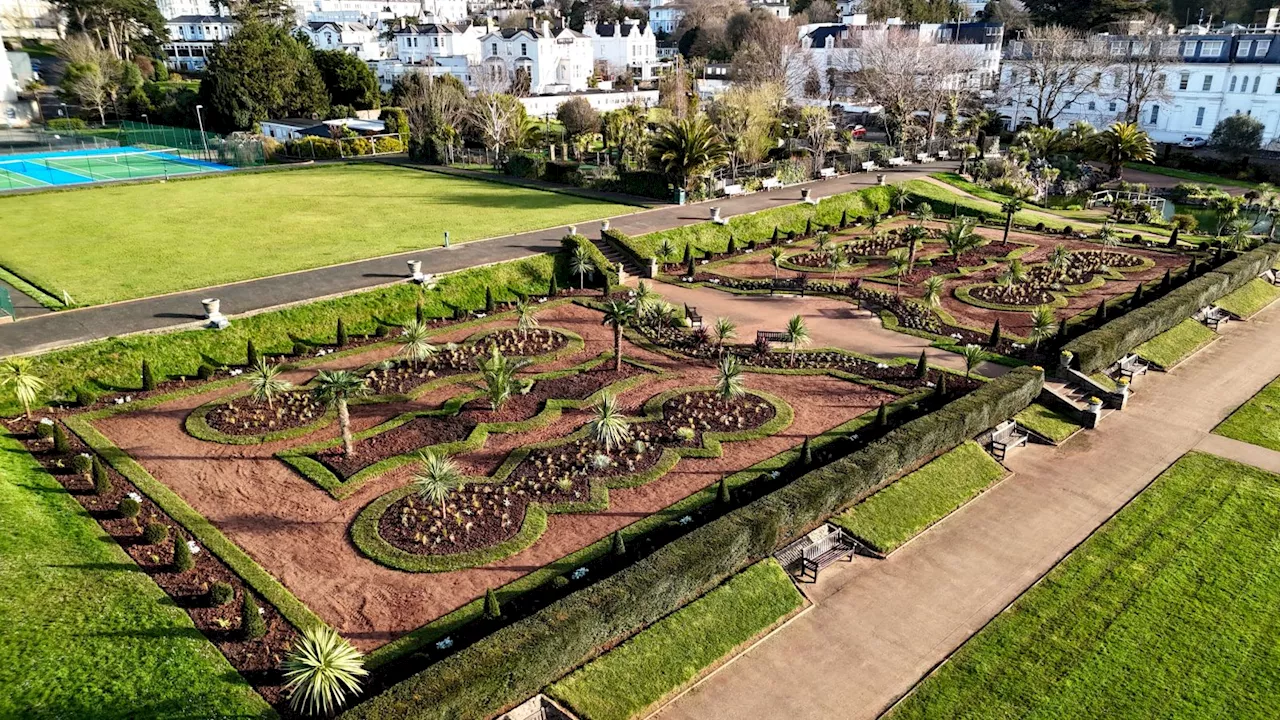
(1097, 350)
(605, 276)
(519, 660)
(564, 172)
(525, 165)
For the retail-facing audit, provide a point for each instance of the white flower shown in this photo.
(749, 250)
(579, 573)
(135, 497)
(881, 366)
(119, 401)
(46, 421)
(445, 644)
(128, 398)
(542, 300)
(686, 520)
(480, 315)
(702, 262)
(193, 547)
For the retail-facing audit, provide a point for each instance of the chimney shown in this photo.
(528, 23)
(546, 28)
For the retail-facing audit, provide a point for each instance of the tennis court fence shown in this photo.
(78, 167)
(234, 150)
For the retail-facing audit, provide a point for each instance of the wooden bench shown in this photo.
(798, 284)
(827, 173)
(870, 166)
(897, 161)
(695, 320)
(1213, 317)
(732, 190)
(1005, 436)
(772, 336)
(772, 183)
(1131, 366)
(825, 545)
(923, 158)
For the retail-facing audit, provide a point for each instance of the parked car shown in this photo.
(858, 131)
(1193, 141)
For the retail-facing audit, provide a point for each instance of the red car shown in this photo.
(858, 131)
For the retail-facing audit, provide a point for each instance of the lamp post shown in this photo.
(63, 111)
(144, 117)
(203, 139)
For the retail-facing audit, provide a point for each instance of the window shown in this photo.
(1256, 80)
(1278, 86)
(435, 42)
(1093, 105)
(1155, 114)
(524, 50)
(1117, 48)
(1199, 116)
(1233, 84)
(1211, 48)
(1189, 48)
(1244, 48)
(493, 48)
(1111, 106)
(1261, 47)
(1160, 82)
(1208, 83)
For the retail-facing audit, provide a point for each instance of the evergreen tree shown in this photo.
(733, 246)
(808, 227)
(723, 495)
(1101, 316)
(844, 219)
(341, 335)
(994, 340)
(182, 558)
(260, 72)
(101, 478)
(940, 390)
(418, 313)
(251, 354)
(806, 453)
(1194, 268)
(1136, 300)
(148, 378)
(617, 545)
(554, 289)
(775, 235)
(348, 79)
(882, 416)
(1173, 237)
(688, 254)
(252, 624)
(1167, 283)
(489, 304)
(60, 443)
(692, 268)
(492, 608)
(922, 367)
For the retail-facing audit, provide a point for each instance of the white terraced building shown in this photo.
(558, 61)
(628, 46)
(434, 49)
(351, 37)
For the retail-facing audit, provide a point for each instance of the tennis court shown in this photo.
(76, 167)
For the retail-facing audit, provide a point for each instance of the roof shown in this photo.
(197, 19)
(340, 26)
(819, 35)
(300, 123)
(433, 29)
(621, 29)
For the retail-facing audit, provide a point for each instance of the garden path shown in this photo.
(881, 626)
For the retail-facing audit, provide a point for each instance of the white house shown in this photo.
(417, 43)
(191, 37)
(351, 37)
(1203, 77)
(557, 61)
(14, 111)
(629, 46)
(438, 10)
(30, 19)
(780, 9)
(293, 128)
(664, 15)
(602, 101)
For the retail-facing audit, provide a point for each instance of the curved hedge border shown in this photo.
(1060, 297)
(364, 530)
(303, 461)
(520, 659)
(197, 426)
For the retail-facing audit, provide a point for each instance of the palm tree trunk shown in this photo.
(344, 423)
(1008, 225)
(617, 347)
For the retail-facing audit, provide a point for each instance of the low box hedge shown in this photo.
(519, 660)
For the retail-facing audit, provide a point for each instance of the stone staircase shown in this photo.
(1071, 393)
(617, 258)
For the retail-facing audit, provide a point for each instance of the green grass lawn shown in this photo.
(909, 506)
(1257, 421)
(673, 652)
(1168, 611)
(1189, 176)
(1173, 345)
(942, 200)
(103, 244)
(1047, 422)
(1250, 299)
(86, 633)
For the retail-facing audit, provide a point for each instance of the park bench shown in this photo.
(798, 284)
(732, 190)
(695, 320)
(805, 557)
(772, 183)
(944, 155)
(772, 336)
(1272, 277)
(923, 158)
(897, 161)
(827, 173)
(1006, 435)
(1213, 317)
(869, 166)
(1131, 366)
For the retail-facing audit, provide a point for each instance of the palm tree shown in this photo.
(798, 335)
(415, 342)
(498, 376)
(618, 315)
(973, 356)
(775, 256)
(438, 476)
(914, 234)
(823, 242)
(1059, 258)
(729, 380)
(1239, 234)
(1043, 324)
(265, 382)
(899, 265)
(725, 330)
(334, 388)
(321, 670)
(1122, 143)
(580, 265)
(666, 250)
(899, 195)
(26, 385)
(1017, 272)
(645, 296)
(688, 149)
(933, 291)
(608, 426)
(526, 320)
(1108, 237)
(1010, 208)
(960, 238)
(838, 263)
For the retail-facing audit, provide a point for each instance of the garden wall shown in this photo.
(1099, 349)
(519, 660)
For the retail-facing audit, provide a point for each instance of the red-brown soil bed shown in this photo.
(947, 264)
(401, 377)
(246, 416)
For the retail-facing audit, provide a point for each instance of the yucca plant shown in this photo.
(498, 376)
(729, 380)
(321, 671)
(608, 426)
(914, 234)
(775, 256)
(973, 356)
(1010, 208)
(798, 333)
(1059, 258)
(725, 330)
(265, 382)
(580, 265)
(1043, 324)
(899, 265)
(645, 296)
(618, 315)
(933, 288)
(437, 476)
(526, 320)
(837, 263)
(16, 373)
(666, 250)
(334, 388)
(415, 343)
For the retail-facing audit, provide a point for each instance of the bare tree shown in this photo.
(1050, 68)
(1139, 73)
(746, 115)
(817, 132)
(771, 53)
(92, 74)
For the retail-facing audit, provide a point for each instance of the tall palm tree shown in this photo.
(775, 257)
(1043, 324)
(265, 382)
(725, 330)
(729, 380)
(1122, 143)
(580, 265)
(798, 334)
(899, 265)
(27, 386)
(321, 670)
(1010, 208)
(334, 388)
(688, 149)
(913, 235)
(899, 195)
(933, 291)
(837, 263)
(618, 315)
(437, 476)
(608, 426)
(415, 342)
(526, 320)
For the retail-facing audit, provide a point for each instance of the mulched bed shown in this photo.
(258, 661)
(947, 264)
(246, 416)
(1037, 289)
(427, 431)
(400, 377)
(483, 514)
(901, 375)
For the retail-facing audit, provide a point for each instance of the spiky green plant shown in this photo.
(334, 388)
(608, 426)
(415, 343)
(580, 265)
(933, 288)
(526, 320)
(899, 265)
(27, 386)
(1059, 258)
(666, 250)
(798, 335)
(725, 330)
(1122, 143)
(960, 238)
(265, 382)
(645, 296)
(838, 263)
(1010, 208)
(775, 257)
(498, 376)
(1043, 324)
(437, 476)
(973, 356)
(688, 149)
(729, 379)
(322, 671)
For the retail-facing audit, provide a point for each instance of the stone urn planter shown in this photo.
(212, 307)
(715, 214)
(604, 225)
(880, 179)
(1095, 405)
(415, 269)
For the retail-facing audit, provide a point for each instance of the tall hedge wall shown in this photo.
(519, 660)
(1098, 349)
(606, 275)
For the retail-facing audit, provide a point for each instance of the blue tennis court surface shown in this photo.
(76, 167)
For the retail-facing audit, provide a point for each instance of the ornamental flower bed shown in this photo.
(900, 375)
(248, 417)
(949, 264)
(398, 377)
(1042, 281)
(482, 514)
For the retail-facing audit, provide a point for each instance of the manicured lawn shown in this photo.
(1248, 300)
(117, 362)
(909, 506)
(1189, 176)
(673, 652)
(1047, 422)
(941, 200)
(1167, 612)
(1172, 346)
(86, 633)
(113, 243)
(1257, 421)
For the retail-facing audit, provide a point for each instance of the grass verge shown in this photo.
(1167, 611)
(86, 632)
(1257, 421)
(1176, 344)
(1190, 176)
(909, 506)
(675, 651)
(1250, 299)
(1047, 422)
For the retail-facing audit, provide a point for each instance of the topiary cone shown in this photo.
(492, 608)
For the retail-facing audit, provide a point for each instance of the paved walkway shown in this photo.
(183, 309)
(880, 626)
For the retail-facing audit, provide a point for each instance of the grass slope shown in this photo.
(1189, 176)
(113, 243)
(673, 652)
(909, 506)
(86, 633)
(1167, 612)
(1248, 300)
(1046, 421)
(1175, 344)
(1257, 421)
